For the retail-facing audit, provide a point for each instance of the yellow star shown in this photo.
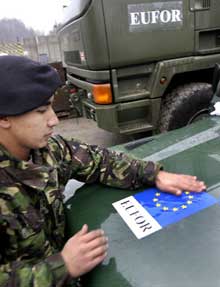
(155, 199)
(158, 205)
(189, 202)
(175, 209)
(157, 194)
(191, 197)
(165, 208)
(183, 206)
(187, 192)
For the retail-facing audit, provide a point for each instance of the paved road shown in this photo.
(87, 131)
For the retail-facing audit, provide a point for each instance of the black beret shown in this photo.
(25, 84)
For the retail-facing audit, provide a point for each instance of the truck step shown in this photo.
(135, 128)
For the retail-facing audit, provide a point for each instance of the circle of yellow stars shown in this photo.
(175, 209)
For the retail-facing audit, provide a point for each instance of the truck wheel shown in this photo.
(184, 105)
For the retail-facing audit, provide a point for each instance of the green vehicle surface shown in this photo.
(183, 254)
(154, 60)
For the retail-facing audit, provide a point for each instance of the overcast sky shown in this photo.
(39, 14)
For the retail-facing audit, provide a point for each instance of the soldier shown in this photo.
(34, 168)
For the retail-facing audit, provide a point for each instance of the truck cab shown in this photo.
(141, 65)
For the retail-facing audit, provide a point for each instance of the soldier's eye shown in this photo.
(42, 109)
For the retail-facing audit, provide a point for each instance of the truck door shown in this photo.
(207, 25)
(141, 31)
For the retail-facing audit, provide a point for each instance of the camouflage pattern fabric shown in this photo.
(31, 204)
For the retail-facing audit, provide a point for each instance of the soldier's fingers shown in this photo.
(196, 186)
(80, 233)
(97, 260)
(84, 229)
(100, 241)
(174, 190)
(97, 252)
(199, 185)
(189, 182)
(93, 235)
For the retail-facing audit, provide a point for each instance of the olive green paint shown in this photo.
(183, 254)
(99, 46)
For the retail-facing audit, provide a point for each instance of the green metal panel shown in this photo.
(181, 66)
(206, 13)
(183, 254)
(75, 10)
(94, 37)
(130, 117)
(131, 41)
(102, 76)
(83, 40)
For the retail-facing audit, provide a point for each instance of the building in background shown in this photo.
(11, 49)
(45, 49)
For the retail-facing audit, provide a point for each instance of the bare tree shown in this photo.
(14, 30)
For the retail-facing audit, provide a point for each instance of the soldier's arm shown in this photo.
(90, 163)
(116, 169)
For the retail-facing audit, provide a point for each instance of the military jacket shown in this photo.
(32, 219)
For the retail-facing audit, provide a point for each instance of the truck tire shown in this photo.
(184, 105)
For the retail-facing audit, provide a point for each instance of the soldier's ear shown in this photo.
(4, 122)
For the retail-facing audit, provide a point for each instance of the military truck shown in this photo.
(139, 66)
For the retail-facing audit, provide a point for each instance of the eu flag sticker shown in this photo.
(151, 210)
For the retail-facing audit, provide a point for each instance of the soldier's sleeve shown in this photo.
(46, 271)
(90, 163)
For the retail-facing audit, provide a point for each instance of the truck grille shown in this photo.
(201, 5)
(206, 4)
(72, 57)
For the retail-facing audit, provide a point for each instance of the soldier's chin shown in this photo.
(42, 144)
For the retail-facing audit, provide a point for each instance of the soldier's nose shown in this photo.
(53, 120)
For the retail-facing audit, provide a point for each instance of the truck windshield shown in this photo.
(75, 9)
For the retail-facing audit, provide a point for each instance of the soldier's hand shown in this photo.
(84, 251)
(176, 183)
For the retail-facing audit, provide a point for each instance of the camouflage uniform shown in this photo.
(31, 208)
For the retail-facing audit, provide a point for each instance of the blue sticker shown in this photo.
(167, 208)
